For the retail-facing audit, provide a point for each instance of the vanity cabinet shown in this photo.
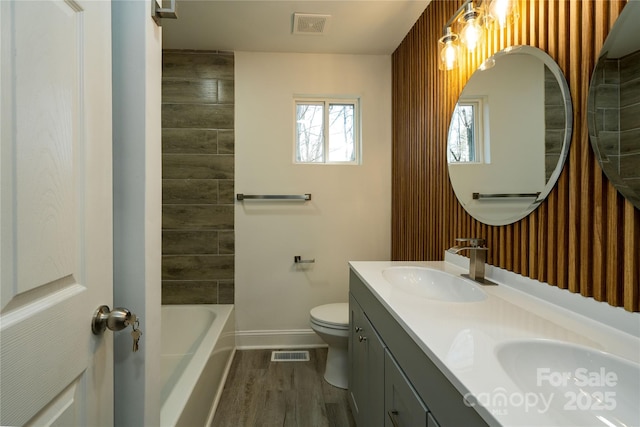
(366, 369)
(406, 387)
(402, 405)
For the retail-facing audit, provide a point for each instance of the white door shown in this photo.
(56, 212)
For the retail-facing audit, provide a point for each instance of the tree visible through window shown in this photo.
(465, 136)
(326, 131)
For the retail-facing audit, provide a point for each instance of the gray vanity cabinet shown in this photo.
(402, 405)
(431, 422)
(366, 369)
(413, 385)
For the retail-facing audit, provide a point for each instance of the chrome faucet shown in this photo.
(478, 257)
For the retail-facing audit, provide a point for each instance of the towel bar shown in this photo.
(477, 196)
(302, 197)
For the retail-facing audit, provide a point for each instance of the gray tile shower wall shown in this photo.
(197, 177)
(555, 122)
(630, 120)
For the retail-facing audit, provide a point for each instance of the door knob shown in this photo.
(116, 319)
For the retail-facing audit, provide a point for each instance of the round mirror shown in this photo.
(509, 135)
(613, 110)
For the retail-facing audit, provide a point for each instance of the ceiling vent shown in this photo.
(309, 23)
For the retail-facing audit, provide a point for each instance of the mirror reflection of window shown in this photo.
(465, 142)
(524, 136)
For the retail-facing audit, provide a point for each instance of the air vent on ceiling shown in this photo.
(290, 356)
(309, 23)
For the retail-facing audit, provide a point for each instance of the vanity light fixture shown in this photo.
(501, 11)
(472, 18)
(471, 33)
(449, 50)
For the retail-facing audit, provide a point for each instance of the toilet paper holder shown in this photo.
(298, 260)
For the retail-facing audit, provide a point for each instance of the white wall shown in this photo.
(349, 216)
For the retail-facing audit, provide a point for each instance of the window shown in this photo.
(327, 131)
(465, 141)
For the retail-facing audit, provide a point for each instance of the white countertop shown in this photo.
(462, 338)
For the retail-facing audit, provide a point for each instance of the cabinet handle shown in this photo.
(361, 338)
(392, 416)
(358, 329)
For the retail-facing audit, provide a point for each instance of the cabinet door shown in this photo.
(402, 405)
(366, 369)
(357, 363)
(431, 422)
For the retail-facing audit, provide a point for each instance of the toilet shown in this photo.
(331, 323)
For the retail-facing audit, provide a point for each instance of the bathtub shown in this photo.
(198, 343)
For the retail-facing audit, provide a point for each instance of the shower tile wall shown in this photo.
(630, 120)
(197, 177)
(618, 121)
(555, 122)
(606, 84)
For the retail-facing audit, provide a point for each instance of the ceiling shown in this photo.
(356, 26)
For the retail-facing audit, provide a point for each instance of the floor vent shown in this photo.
(290, 356)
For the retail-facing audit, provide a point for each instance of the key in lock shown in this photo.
(116, 320)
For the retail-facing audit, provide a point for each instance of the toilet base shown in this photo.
(335, 372)
(331, 323)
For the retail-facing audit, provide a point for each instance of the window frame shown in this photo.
(326, 102)
(479, 105)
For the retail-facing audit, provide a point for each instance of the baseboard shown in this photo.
(287, 338)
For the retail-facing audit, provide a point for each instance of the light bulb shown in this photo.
(471, 34)
(502, 11)
(499, 11)
(449, 56)
(449, 49)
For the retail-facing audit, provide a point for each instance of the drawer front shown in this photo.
(403, 407)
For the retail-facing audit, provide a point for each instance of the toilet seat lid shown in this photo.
(332, 314)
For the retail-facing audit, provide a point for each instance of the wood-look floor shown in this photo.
(262, 393)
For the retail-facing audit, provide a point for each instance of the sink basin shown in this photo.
(433, 284)
(582, 386)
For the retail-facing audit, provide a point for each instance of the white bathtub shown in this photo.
(198, 343)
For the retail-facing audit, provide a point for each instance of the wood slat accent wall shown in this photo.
(585, 237)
